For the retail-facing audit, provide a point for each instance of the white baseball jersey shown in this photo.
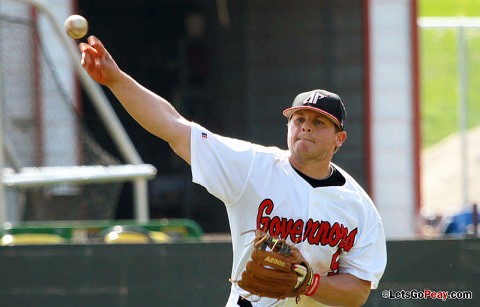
(338, 227)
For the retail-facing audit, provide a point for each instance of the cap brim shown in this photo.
(289, 112)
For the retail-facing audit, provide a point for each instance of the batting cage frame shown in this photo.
(134, 170)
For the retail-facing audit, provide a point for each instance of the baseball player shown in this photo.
(295, 196)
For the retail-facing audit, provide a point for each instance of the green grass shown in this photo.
(439, 88)
(449, 8)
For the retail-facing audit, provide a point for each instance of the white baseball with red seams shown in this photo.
(76, 26)
(336, 227)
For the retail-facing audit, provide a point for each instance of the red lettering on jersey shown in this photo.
(296, 231)
(276, 226)
(266, 206)
(323, 231)
(314, 232)
(349, 240)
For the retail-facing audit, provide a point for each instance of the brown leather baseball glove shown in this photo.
(277, 270)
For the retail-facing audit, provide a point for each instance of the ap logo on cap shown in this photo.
(313, 98)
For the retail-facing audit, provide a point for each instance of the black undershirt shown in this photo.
(336, 179)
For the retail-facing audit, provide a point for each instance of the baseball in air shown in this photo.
(76, 26)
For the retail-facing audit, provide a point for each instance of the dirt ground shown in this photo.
(442, 179)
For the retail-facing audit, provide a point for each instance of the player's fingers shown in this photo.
(301, 272)
(87, 62)
(300, 269)
(82, 47)
(97, 45)
(87, 50)
(92, 39)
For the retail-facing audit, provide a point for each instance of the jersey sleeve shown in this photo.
(368, 258)
(220, 164)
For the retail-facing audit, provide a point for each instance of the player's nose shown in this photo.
(306, 128)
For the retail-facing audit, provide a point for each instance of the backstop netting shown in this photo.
(43, 132)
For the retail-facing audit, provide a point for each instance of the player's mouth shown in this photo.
(305, 139)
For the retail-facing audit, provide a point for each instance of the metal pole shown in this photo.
(140, 196)
(462, 110)
(3, 196)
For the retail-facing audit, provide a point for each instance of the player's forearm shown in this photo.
(153, 113)
(342, 290)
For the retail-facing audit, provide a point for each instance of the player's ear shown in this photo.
(341, 136)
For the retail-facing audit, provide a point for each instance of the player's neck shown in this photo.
(316, 170)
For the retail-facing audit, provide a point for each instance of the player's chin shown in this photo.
(302, 153)
(303, 145)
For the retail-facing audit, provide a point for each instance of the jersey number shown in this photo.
(334, 265)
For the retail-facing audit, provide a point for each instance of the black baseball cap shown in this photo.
(322, 101)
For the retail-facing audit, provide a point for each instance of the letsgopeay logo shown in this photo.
(275, 261)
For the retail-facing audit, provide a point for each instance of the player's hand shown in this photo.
(98, 63)
(277, 270)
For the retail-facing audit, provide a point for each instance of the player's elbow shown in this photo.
(362, 296)
(361, 292)
(358, 300)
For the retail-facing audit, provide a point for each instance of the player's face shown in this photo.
(313, 136)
